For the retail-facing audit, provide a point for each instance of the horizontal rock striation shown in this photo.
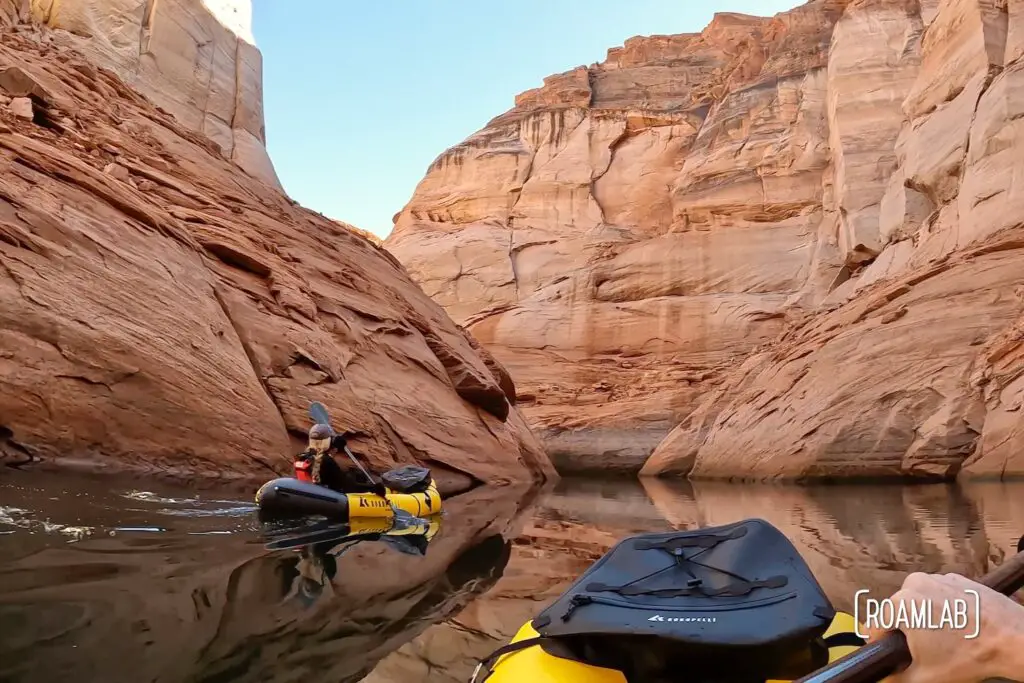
(629, 229)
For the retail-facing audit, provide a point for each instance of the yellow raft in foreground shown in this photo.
(535, 665)
(731, 603)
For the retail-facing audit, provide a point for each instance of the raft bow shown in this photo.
(729, 603)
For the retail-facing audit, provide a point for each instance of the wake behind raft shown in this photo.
(409, 489)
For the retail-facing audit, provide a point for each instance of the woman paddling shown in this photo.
(943, 655)
(316, 464)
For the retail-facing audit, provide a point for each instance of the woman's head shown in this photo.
(320, 438)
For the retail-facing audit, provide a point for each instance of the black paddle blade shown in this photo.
(318, 412)
(1020, 545)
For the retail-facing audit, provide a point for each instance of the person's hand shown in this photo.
(944, 654)
(380, 490)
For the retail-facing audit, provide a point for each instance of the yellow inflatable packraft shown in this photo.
(422, 504)
(535, 665)
(735, 600)
(289, 496)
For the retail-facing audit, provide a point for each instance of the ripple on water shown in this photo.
(21, 519)
(190, 592)
(240, 511)
(11, 515)
(36, 511)
(151, 497)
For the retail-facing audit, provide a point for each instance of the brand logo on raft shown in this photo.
(658, 617)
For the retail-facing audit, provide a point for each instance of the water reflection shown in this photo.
(108, 582)
(857, 537)
(851, 536)
(319, 544)
(189, 603)
(569, 529)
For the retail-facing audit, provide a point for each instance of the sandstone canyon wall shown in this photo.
(163, 312)
(795, 239)
(196, 59)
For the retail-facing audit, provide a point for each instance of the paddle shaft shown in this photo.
(353, 459)
(890, 654)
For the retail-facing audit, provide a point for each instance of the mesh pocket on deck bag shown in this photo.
(733, 601)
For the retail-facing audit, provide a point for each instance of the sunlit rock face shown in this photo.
(629, 228)
(911, 367)
(787, 244)
(196, 59)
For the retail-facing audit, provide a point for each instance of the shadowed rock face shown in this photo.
(164, 313)
(830, 195)
(214, 608)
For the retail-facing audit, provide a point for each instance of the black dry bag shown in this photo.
(407, 479)
(734, 602)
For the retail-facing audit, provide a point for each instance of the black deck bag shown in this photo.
(731, 603)
(407, 479)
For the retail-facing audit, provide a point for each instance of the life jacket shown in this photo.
(303, 468)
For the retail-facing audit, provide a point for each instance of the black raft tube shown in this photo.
(890, 654)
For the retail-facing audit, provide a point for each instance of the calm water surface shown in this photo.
(116, 581)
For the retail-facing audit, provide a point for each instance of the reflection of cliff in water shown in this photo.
(221, 608)
(863, 537)
(573, 526)
(852, 537)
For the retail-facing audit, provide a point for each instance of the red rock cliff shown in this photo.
(797, 238)
(164, 312)
(196, 59)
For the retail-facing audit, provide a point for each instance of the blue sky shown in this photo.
(362, 95)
